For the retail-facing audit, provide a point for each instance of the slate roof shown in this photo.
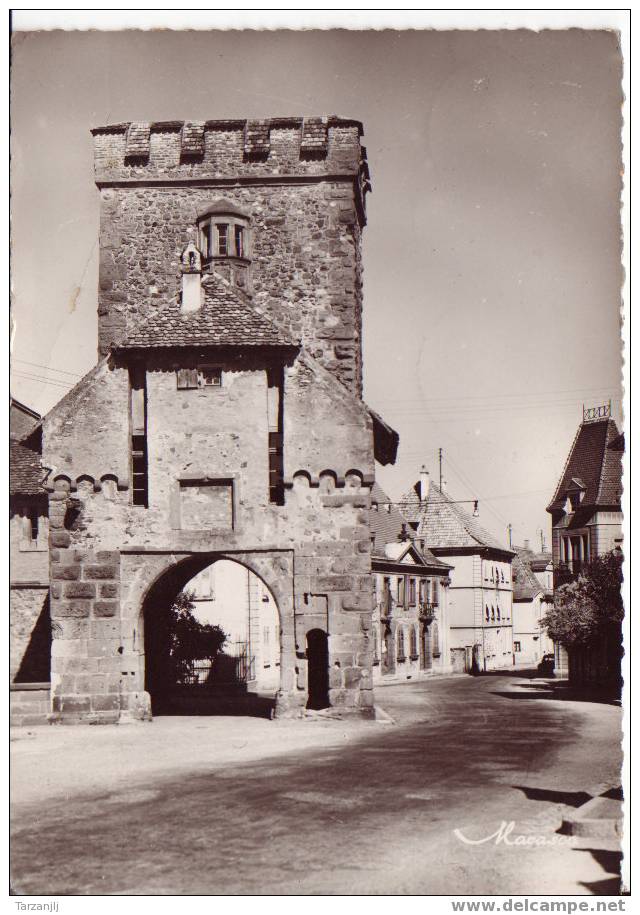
(22, 419)
(540, 561)
(25, 471)
(525, 583)
(595, 460)
(444, 523)
(386, 524)
(225, 319)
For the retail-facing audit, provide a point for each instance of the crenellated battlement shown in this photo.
(175, 151)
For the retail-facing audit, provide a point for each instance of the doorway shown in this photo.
(317, 669)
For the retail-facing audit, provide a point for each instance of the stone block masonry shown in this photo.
(89, 656)
(302, 183)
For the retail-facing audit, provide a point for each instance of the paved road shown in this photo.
(374, 815)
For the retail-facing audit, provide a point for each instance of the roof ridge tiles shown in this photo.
(226, 318)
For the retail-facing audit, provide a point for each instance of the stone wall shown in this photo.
(28, 560)
(29, 704)
(30, 634)
(305, 211)
(107, 554)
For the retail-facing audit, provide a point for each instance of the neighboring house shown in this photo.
(30, 629)
(586, 516)
(480, 594)
(586, 513)
(229, 595)
(224, 418)
(22, 420)
(532, 597)
(410, 620)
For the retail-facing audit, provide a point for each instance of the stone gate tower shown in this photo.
(224, 418)
(277, 205)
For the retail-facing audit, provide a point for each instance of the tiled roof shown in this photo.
(225, 319)
(595, 460)
(386, 524)
(22, 419)
(444, 523)
(540, 561)
(525, 583)
(25, 471)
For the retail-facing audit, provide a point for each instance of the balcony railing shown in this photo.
(427, 611)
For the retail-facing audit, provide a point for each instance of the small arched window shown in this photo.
(493, 613)
(486, 612)
(498, 614)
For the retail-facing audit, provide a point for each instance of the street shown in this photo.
(248, 806)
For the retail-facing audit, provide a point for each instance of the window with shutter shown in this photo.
(401, 652)
(413, 641)
(187, 378)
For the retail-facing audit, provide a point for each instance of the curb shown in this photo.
(381, 716)
(598, 818)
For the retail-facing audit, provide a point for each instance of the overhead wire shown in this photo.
(47, 368)
(39, 378)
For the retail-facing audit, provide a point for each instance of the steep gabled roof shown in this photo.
(541, 561)
(445, 524)
(226, 318)
(389, 527)
(595, 463)
(22, 419)
(25, 471)
(525, 583)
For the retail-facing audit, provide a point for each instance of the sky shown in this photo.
(492, 252)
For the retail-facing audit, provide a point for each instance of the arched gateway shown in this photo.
(154, 582)
(187, 674)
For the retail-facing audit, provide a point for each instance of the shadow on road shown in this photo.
(524, 673)
(570, 798)
(559, 690)
(610, 862)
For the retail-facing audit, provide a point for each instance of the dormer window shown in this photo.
(223, 231)
(575, 498)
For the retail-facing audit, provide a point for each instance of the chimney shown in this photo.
(424, 484)
(191, 268)
(526, 544)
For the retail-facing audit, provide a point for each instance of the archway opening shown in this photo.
(317, 669)
(211, 641)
